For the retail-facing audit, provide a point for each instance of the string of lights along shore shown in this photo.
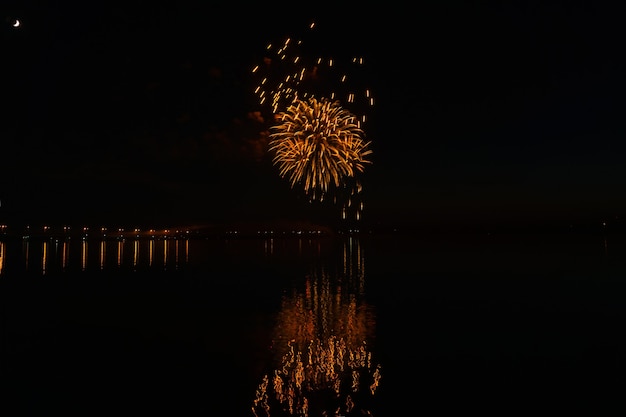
(319, 105)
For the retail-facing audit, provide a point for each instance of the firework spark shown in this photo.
(319, 146)
(298, 69)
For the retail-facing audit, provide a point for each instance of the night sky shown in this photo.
(488, 115)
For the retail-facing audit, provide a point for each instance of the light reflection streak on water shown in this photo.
(120, 252)
(25, 252)
(268, 246)
(56, 248)
(135, 253)
(165, 253)
(65, 248)
(57, 255)
(44, 256)
(103, 250)
(321, 345)
(1, 256)
(83, 255)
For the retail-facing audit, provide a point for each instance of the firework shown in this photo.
(319, 103)
(298, 69)
(319, 146)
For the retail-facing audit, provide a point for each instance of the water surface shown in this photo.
(350, 325)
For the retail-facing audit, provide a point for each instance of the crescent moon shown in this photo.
(16, 23)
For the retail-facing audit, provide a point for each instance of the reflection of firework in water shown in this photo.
(326, 377)
(318, 145)
(324, 367)
(298, 69)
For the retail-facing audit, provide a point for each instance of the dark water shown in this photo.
(370, 325)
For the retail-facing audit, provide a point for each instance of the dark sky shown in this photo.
(487, 113)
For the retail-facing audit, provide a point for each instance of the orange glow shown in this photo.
(321, 345)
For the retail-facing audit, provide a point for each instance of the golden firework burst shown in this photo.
(318, 145)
